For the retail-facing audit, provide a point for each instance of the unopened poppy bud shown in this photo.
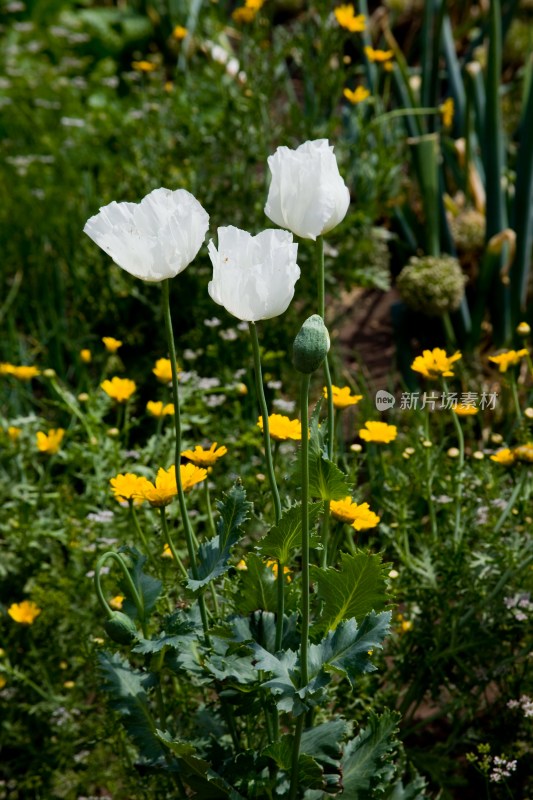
(120, 628)
(311, 345)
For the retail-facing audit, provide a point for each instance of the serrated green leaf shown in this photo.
(234, 510)
(323, 742)
(260, 627)
(127, 690)
(345, 651)
(285, 537)
(173, 642)
(359, 587)
(256, 588)
(325, 479)
(414, 790)
(310, 773)
(229, 666)
(365, 756)
(213, 556)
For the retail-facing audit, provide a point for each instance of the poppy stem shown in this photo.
(304, 644)
(177, 458)
(271, 474)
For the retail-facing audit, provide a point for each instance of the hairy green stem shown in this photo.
(270, 472)
(304, 642)
(189, 538)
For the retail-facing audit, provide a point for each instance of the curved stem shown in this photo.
(137, 598)
(271, 474)
(177, 429)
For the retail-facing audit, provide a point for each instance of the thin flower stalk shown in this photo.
(271, 474)
(139, 530)
(189, 538)
(329, 385)
(457, 534)
(304, 643)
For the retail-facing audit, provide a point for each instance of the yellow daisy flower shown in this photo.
(435, 363)
(205, 458)
(505, 457)
(128, 486)
(465, 410)
(524, 452)
(86, 356)
(356, 95)
(342, 398)
(378, 56)
(13, 432)
(359, 516)
(243, 14)
(50, 442)
(143, 66)
(447, 111)
(167, 552)
(25, 612)
(508, 359)
(111, 344)
(163, 491)
(179, 32)
(119, 389)
(282, 428)
(158, 409)
(163, 370)
(23, 373)
(380, 432)
(347, 18)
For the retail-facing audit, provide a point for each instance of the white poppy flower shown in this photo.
(253, 276)
(154, 239)
(307, 194)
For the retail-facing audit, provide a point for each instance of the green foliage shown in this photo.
(256, 587)
(127, 689)
(344, 651)
(148, 587)
(213, 556)
(364, 762)
(353, 591)
(284, 538)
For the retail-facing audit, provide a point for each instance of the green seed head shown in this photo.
(433, 285)
(120, 628)
(311, 345)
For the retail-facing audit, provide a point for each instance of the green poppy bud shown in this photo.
(311, 345)
(120, 628)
